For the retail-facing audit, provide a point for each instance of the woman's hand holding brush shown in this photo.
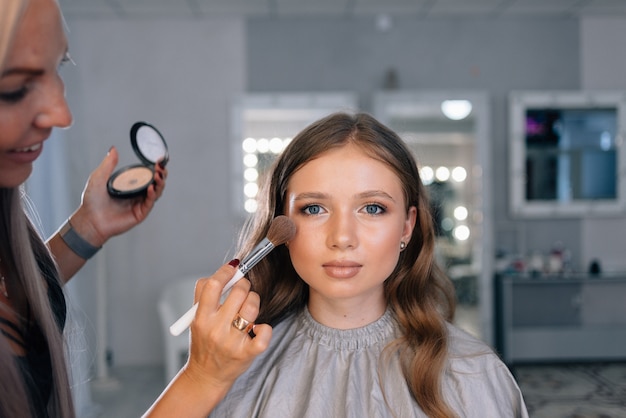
(221, 348)
(221, 345)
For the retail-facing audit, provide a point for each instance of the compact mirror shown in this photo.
(150, 147)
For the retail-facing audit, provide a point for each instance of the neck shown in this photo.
(346, 314)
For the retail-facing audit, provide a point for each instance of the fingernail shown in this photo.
(110, 149)
(234, 262)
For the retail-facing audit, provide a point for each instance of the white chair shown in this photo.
(175, 300)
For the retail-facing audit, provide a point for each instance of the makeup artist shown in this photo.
(33, 373)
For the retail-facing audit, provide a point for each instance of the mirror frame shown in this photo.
(519, 102)
(483, 249)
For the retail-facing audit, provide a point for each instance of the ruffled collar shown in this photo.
(383, 330)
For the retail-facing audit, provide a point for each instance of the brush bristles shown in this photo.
(281, 230)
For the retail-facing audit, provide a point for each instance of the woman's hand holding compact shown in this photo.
(101, 216)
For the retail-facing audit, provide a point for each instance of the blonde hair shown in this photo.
(27, 261)
(420, 295)
(10, 14)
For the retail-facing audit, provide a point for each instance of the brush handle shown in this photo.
(184, 321)
(262, 249)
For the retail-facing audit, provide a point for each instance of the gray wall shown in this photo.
(603, 64)
(182, 74)
(496, 56)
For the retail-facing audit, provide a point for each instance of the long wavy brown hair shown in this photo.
(420, 295)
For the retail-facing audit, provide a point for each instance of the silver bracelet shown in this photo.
(77, 243)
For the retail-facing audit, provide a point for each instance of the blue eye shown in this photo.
(374, 209)
(312, 210)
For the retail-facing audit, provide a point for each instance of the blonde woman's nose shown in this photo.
(54, 110)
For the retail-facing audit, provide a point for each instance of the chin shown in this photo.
(15, 178)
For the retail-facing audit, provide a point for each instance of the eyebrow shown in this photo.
(33, 72)
(363, 195)
(22, 71)
(376, 193)
(311, 195)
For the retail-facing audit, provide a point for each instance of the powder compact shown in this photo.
(150, 147)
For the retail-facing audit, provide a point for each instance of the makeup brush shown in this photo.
(281, 230)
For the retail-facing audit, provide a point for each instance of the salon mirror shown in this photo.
(151, 148)
(567, 154)
(263, 124)
(447, 132)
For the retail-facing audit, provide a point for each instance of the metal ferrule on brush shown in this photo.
(261, 250)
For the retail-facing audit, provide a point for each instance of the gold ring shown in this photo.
(240, 323)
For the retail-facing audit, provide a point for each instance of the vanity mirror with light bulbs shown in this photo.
(448, 132)
(567, 156)
(263, 124)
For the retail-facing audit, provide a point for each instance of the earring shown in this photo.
(402, 245)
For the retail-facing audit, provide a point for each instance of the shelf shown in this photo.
(564, 319)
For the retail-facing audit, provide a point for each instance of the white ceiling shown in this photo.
(420, 9)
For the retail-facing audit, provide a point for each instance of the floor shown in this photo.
(127, 393)
(591, 390)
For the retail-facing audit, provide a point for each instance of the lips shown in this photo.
(25, 155)
(342, 269)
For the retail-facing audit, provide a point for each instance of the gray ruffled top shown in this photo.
(315, 371)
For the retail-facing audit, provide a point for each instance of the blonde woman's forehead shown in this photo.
(39, 36)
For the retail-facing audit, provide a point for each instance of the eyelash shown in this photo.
(14, 96)
(67, 58)
(380, 209)
(305, 209)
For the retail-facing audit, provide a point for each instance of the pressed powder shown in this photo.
(133, 179)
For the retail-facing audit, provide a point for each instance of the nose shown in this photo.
(54, 110)
(342, 231)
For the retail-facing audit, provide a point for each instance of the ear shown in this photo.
(409, 224)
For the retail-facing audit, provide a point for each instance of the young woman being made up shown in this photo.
(360, 313)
